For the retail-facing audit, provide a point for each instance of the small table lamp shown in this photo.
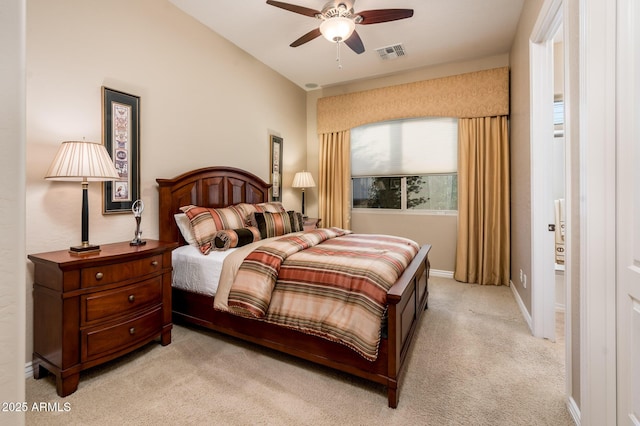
(83, 161)
(303, 180)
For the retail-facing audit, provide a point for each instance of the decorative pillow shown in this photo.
(297, 223)
(271, 206)
(206, 222)
(184, 225)
(230, 238)
(271, 224)
(247, 209)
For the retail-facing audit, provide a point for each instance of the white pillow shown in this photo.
(184, 224)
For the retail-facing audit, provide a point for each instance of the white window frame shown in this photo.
(404, 198)
(403, 201)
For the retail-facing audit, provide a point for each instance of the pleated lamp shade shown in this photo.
(80, 160)
(303, 180)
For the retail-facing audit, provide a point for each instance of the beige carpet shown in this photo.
(474, 362)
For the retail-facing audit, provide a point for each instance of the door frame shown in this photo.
(597, 144)
(627, 207)
(541, 74)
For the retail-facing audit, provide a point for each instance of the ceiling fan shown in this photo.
(339, 21)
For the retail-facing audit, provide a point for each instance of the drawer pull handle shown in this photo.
(132, 331)
(154, 263)
(132, 298)
(99, 276)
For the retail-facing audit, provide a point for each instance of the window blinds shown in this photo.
(405, 147)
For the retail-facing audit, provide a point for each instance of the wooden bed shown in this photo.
(218, 187)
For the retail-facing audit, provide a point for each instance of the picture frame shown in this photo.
(276, 167)
(121, 138)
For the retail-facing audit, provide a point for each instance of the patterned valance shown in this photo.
(476, 94)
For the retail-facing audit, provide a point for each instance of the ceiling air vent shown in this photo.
(391, 52)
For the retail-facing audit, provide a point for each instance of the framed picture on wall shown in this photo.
(121, 138)
(276, 167)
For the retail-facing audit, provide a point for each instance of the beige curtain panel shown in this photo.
(483, 246)
(476, 94)
(334, 186)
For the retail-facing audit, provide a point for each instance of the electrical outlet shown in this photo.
(524, 282)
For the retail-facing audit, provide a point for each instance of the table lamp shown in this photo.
(303, 180)
(83, 161)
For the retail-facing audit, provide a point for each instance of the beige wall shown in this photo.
(438, 230)
(558, 68)
(203, 102)
(520, 151)
(12, 207)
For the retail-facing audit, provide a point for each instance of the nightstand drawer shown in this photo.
(121, 301)
(100, 341)
(107, 274)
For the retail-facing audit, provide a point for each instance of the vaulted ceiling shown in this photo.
(440, 31)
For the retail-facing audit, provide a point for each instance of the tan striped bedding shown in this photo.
(330, 283)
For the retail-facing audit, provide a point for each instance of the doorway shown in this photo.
(543, 213)
(543, 291)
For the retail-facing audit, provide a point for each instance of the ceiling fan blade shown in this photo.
(355, 43)
(306, 38)
(384, 15)
(295, 8)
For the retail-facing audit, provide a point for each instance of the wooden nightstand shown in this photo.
(311, 223)
(93, 308)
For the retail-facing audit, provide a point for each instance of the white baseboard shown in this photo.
(440, 273)
(28, 370)
(525, 314)
(574, 410)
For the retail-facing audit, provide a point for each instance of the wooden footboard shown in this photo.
(407, 300)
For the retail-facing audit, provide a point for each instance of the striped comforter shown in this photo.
(326, 282)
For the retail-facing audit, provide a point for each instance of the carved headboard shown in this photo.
(212, 187)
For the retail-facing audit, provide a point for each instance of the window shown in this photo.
(558, 118)
(405, 165)
(558, 112)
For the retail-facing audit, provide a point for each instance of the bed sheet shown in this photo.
(195, 272)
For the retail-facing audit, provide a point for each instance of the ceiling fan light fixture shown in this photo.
(337, 29)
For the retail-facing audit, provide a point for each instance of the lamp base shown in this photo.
(137, 243)
(84, 249)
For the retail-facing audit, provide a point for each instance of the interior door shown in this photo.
(628, 216)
